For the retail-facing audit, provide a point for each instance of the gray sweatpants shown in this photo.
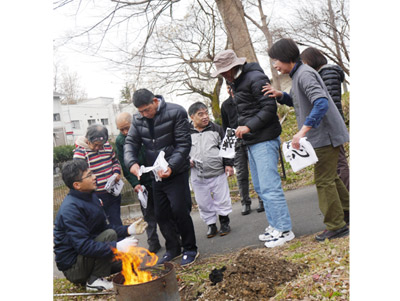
(212, 196)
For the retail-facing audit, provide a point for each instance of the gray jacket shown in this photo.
(205, 151)
(307, 86)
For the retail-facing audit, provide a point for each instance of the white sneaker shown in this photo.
(267, 234)
(99, 284)
(278, 238)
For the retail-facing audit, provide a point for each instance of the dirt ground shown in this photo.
(302, 269)
(253, 274)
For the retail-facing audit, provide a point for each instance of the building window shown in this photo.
(56, 117)
(91, 121)
(104, 121)
(75, 124)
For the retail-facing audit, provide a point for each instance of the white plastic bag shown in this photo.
(299, 158)
(143, 195)
(159, 164)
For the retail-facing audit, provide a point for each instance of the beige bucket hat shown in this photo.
(225, 61)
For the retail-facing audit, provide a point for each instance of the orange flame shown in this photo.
(131, 262)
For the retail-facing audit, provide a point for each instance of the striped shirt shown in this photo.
(103, 163)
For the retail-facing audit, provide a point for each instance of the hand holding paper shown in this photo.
(143, 195)
(159, 165)
(114, 187)
(301, 157)
(227, 148)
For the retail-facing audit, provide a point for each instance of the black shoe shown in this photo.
(212, 230)
(154, 248)
(260, 206)
(225, 228)
(246, 209)
(168, 256)
(331, 234)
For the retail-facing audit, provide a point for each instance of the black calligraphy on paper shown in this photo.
(229, 140)
(300, 152)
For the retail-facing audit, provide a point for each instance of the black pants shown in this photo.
(112, 207)
(171, 199)
(150, 218)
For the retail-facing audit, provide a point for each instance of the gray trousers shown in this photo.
(85, 267)
(242, 172)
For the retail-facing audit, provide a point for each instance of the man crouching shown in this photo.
(83, 238)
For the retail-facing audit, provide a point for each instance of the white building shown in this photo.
(75, 118)
(59, 135)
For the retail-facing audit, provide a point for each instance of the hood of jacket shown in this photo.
(82, 142)
(336, 68)
(247, 67)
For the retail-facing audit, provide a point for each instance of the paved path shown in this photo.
(304, 211)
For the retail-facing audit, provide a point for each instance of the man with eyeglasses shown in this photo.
(83, 238)
(164, 126)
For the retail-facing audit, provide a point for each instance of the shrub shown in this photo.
(63, 153)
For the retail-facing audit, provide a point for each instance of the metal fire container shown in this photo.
(164, 288)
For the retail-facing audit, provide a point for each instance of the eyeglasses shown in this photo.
(90, 174)
(148, 108)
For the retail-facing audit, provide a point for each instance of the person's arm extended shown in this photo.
(318, 111)
(281, 97)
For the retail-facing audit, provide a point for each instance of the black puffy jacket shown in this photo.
(256, 111)
(171, 135)
(333, 76)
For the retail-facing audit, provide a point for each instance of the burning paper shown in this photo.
(131, 262)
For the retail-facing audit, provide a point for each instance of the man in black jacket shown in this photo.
(259, 127)
(163, 126)
(229, 119)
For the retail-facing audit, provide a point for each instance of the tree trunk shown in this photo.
(232, 14)
(215, 108)
(334, 33)
(264, 28)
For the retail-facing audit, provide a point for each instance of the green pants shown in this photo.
(333, 196)
(85, 267)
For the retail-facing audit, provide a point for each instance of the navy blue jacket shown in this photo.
(79, 220)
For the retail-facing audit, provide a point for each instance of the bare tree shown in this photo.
(126, 93)
(239, 40)
(71, 87)
(324, 25)
(264, 26)
(191, 58)
(181, 54)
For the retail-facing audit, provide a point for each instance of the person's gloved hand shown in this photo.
(125, 244)
(137, 227)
